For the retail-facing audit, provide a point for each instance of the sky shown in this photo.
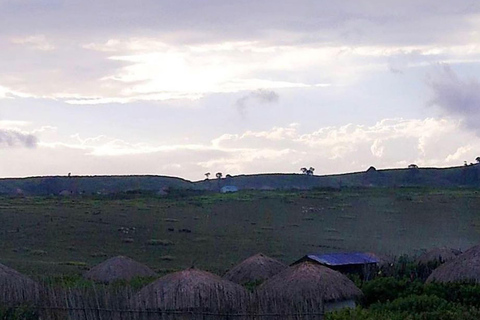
(186, 87)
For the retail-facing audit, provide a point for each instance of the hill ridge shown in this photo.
(467, 176)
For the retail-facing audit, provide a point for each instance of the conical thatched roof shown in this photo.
(304, 287)
(257, 268)
(383, 260)
(464, 268)
(193, 289)
(440, 255)
(118, 268)
(16, 287)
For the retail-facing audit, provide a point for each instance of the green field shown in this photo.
(55, 235)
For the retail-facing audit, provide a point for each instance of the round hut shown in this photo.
(464, 268)
(255, 269)
(16, 288)
(193, 290)
(437, 256)
(118, 268)
(385, 265)
(306, 287)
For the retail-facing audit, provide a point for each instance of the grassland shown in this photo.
(62, 235)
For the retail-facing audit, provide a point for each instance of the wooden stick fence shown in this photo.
(48, 313)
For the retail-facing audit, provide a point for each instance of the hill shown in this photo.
(464, 176)
(54, 185)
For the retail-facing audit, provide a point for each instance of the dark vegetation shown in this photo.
(398, 297)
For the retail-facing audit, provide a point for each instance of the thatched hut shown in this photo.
(306, 287)
(118, 268)
(464, 268)
(437, 256)
(193, 290)
(385, 265)
(255, 269)
(16, 288)
(360, 263)
(382, 259)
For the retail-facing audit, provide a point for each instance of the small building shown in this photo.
(228, 189)
(438, 256)
(255, 269)
(16, 288)
(193, 290)
(350, 263)
(65, 193)
(118, 268)
(306, 288)
(464, 268)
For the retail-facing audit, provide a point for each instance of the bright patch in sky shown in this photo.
(182, 88)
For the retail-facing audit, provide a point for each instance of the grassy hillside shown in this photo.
(89, 184)
(53, 235)
(424, 177)
(445, 177)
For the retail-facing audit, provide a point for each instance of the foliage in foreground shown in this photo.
(400, 298)
(22, 312)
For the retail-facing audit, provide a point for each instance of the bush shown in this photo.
(389, 289)
(18, 313)
(415, 304)
(160, 242)
(467, 294)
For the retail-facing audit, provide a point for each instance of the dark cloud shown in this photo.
(259, 96)
(11, 138)
(456, 97)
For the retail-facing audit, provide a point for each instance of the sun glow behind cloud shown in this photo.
(157, 71)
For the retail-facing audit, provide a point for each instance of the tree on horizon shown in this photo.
(308, 172)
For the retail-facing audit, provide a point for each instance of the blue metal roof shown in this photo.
(341, 259)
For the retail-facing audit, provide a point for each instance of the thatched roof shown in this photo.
(193, 289)
(118, 268)
(440, 255)
(257, 268)
(464, 268)
(383, 259)
(307, 279)
(16, 287)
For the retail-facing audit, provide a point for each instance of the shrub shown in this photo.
(389, 289)
(18, 313)
(160, 242)
(467, 294)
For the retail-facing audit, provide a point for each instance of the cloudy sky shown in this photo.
(185, 87)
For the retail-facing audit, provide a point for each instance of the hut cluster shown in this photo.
(304, 288)
(313, 285)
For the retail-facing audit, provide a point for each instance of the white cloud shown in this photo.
(13, 124)
(460, 154)
(38, 42)
(388, 143)
(7, 93)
